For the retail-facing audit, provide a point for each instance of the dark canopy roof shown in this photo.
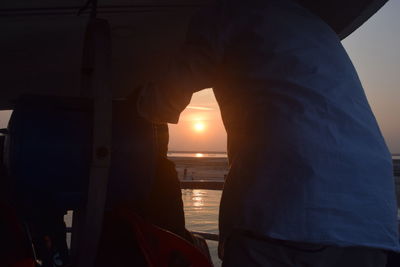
(41, 41)
(344, 16)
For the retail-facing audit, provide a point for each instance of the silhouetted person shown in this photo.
(311, 180)
(164, 206)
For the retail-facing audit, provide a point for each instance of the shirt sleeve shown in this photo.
(192, 69)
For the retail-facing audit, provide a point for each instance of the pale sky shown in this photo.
(375, 51)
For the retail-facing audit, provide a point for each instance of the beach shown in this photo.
(201, 168)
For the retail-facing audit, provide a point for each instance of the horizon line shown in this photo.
(225, 152)
(194, 151)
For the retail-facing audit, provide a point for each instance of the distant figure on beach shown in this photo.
(311, 180)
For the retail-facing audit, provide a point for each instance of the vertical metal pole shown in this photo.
(96, 82)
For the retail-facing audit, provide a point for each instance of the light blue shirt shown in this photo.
(308, 161)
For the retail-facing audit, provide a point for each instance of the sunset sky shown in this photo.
(203, 109)
(375, 51)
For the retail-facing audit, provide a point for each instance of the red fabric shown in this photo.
(160, 246)
(15, 250)
(24, 263)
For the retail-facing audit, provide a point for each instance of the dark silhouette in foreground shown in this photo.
(308, 163)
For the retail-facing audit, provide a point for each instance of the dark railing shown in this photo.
(208, 236)
(202, 184)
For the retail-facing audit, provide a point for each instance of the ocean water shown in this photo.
(201, 214)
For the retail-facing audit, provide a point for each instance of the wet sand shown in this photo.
(201, 168)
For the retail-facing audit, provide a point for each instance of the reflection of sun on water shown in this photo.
(198, 198)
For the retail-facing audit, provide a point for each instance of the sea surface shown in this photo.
(201, 214)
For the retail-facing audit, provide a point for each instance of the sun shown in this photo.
(199, 126)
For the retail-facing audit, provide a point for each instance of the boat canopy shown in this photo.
(344, 16)
(42, 41)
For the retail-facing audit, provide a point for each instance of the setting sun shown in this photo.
(199, 126)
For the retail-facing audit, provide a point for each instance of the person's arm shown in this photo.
(192, 69)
